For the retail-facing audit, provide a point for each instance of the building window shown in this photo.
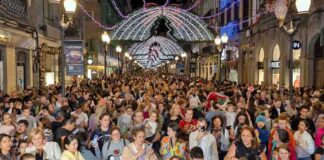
(245, 12)
(276, 71)
(261, 66)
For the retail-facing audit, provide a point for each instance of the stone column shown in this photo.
(10, 69)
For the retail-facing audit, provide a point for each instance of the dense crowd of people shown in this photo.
(150, 117)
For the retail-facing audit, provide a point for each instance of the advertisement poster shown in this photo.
(74, 58)
(20, 78)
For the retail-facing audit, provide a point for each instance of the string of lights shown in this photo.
(193, 6)
(118, 10)
(94, 20)
(166, 3)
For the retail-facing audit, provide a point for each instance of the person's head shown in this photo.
(45, 111)
(230, 108)
(26, 111)
(115, 134)
(173, 130)
(6, 119)
(304, 111)
(22, 126)
(241, 118)
(189, 114)
(70, 124)
(277, 102)
(201, 124)
(282, 121)
(321, 123)
(217, 122)
(23, 144)
(44, 123)
(71, 143)
(27, 156)
(302, 126)
(260, 121)
(138, 116)
(175, 110)
(284, 152)
(104, 120)
(139, 136)
(281, 135)
(196, 153)
(29, 103)
(129, 110)
(37, 137)
(248, 137)
(154, 115)
(5, 143)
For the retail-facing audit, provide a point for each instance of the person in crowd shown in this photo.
(21, 133)
(277, 108)
(138, 149)
(303, 115)
(247, 146)
(319, 133)
(102, 134)
(188, 124)
(241, 120)
(59, 121)
(83, 147)
(125, 119)
(283, 124)
(221, 135)
(171, 145)
(230, 115)
(196, 153)
(173, 117)
(205, 140)
(283, 152)
(42, 149)
(64, 131)
(114, 147)
(304, 141)
(280, 137)
(7, 127)
(45, 125)
(319, 152)
(137, 122)
(262, 132)
(71, 151)
(81, 117)
(27, 156)
(151, 125)
(5, 147)
(26, 116)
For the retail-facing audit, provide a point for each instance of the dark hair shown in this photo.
(175, 127)
(103, 115)
(82, 139)
(283, 135)
(254, 142)
(285, 147)
(196, 152)
(175, 158)
(304, 107)
(137, 130)
(67, 140)
(236, 122)
(45, 122)
(215, 117)
(23, 121)
(2, 135)
(70, 121)
(26, 156)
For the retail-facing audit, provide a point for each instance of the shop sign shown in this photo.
(296, 45)
(275, 64)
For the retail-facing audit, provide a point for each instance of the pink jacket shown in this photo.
(318, 137)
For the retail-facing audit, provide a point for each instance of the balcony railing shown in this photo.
(14, 9)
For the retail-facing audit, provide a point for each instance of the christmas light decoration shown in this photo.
(155, 51)
(193, 6)
(118, 10)
(186, 26)
(231, 29)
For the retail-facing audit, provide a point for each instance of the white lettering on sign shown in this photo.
(275, 64)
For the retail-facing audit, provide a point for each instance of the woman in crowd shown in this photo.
(304, 141)
(319, 153)
(5, 147)
(114, 147)
(102, 134)
(84, 150)
(221, 134)
(138, 149)
(71, 149)
(7, 126)
(45, 125)
(247, 146)
(241, 120)
(280, 137)
(171, 144)
(42, 149)
(284, 152)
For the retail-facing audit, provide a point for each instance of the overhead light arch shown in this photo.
(155, 51)
(186, 26)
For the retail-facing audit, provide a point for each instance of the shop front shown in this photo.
(275, 65)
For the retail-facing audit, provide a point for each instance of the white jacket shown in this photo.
(52, 151)
(207, 144)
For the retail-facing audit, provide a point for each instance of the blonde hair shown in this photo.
(35, 132)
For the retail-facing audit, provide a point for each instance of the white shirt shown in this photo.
(307, 146)
(194, 101)
(82, 117)
(207, 144)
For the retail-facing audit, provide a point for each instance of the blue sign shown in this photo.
(74, 57)
(296, 45)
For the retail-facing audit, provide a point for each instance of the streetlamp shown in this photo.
(106, 39)
(220, 43)
(302, 7)
(176, 58)
(70, 6)
(118, 50)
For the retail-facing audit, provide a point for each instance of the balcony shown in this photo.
(14, 10)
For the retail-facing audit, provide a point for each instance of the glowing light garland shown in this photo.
(193, 6)
(154, 51)
(224, 3)
(166, 3)
(118, 10)
(94, 20)
(186, 26)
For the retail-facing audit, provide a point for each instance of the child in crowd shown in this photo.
(230, 115)
(261, 131)
(151, 125)
(6, 126)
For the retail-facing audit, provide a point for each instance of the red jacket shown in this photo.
(291, 145)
